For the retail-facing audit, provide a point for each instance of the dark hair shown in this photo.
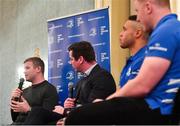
(83, 49)
(36, 62)
(133, 17)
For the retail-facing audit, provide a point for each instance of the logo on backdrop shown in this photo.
(93, 32)
(70, 75)
(70, 24)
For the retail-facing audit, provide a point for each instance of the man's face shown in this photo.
(30, 71)
(143, 10)
(127, 36)
(75, 63)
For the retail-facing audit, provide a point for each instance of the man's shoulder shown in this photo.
(48, 84)
(98, 69)
(100, 72)
(45, 85)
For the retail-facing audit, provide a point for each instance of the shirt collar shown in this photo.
(138, 54)
(166, 18)
(88, 71)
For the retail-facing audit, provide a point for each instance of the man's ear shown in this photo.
(38, 69)
(81, 59)
(148, 7)
(138, 33)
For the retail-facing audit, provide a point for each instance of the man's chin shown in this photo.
(123, 47)
(76, 70)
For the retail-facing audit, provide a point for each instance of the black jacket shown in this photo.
(99, 84)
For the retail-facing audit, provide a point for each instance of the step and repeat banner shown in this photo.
(92, 26)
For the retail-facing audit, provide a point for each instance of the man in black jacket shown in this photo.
(41, 93)
(97, 84)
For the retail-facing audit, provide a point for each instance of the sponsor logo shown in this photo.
(70, 24)
(70, 75)
(93, 32)
(158, 47)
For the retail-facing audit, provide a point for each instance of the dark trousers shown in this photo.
(116, 111)
(41, 116)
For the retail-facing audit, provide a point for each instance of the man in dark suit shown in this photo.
(98, 84)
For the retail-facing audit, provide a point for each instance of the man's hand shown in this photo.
(69, 103)
(16, 93)
(20, 106)
(114, 95)
(59, 109)
(60, 122)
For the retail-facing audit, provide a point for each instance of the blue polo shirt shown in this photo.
(132, 67)
(164, 42)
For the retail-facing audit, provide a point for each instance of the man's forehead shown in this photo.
(28, 63)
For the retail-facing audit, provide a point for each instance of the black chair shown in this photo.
(175, 120)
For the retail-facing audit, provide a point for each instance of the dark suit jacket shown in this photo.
(99, 84)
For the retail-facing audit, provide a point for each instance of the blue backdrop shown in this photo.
(90, 26)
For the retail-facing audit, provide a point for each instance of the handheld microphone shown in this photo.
(70, 95)
(70, 90)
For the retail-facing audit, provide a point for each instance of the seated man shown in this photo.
(134, 37)
(149, 97)
(41, 93)
(98, 84)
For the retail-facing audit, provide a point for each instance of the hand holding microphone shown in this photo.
(69, 103)
(16, 94)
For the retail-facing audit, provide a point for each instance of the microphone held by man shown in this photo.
(70, 90)
(18, 92)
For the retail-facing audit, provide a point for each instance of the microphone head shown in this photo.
(21, 81)
(70, 85)
(70, 90)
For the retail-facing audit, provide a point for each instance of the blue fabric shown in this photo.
(164, 42)
(132, 67)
